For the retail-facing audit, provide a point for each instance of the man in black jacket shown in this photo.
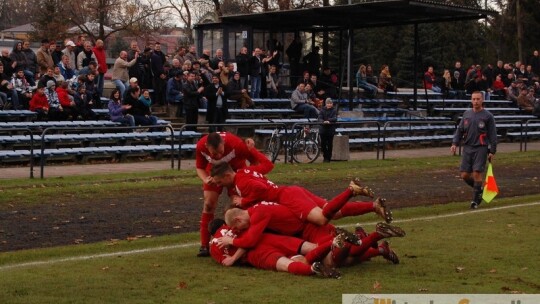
(242, 66)
(216, 112)
(192, 94)
(139, 110)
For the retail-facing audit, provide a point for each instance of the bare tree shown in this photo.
(93, 17)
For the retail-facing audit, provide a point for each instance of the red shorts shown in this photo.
(299, 201)
(272, 247)
(318, 234)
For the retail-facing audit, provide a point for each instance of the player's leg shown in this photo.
(209, 207)
(358, 208)
(479, 165)
(383, 230)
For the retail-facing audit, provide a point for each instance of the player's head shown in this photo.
(223, 174)
(214, 225)
(237, 219)
(215, 144)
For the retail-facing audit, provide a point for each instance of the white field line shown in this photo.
(163, 248)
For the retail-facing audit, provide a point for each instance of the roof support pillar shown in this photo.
(415, 67)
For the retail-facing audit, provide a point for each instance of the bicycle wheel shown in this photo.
(273, 147)
(305, 151)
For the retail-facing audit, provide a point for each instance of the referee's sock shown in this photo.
(477, 192)
(469, 181)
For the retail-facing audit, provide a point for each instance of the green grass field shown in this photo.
(448, 249)
(493, 250)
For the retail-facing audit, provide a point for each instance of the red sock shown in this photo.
(340, 254)
(357, 208)
(299, 268)
(319, 252)
(206, 218)
(366, 244)
(370, 253)
(336, 204)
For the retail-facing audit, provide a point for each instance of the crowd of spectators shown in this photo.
(192, 81)
(518, 82)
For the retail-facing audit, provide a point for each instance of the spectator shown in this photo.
(101, 59)
(120, 72)
(216, 112)
(217, 59)
(498, 86)
(446, 84)
(224, 73)
(67, 101)
(312, 97)
(159, 76)
(385, 80)
(57, 74)
(294, 52)
(56, 111)
(69, 51)
(328, 116)
(18, 57)
(313, 61)
(301, 104)
(192, 54)
(180, 56)
(9, 64)
(306, 78)
(370, 76)
(84, 103)
(430, 81)
(135, 70)
(534, 61)
(174, 93)
(256, 72)
(79, 47)
(94, 101)
(458, 79)
(57, 52)
(139, 110)
(23, 88)
(489, 73)
(43, 57)
(235, 91)
(49, 75)
(39, 103)
(31, 62)
(145, 98)
(361, 81)
(272, 83)
(192, 95)
(117, 111)
(86, 56)
(65, 68)
(513, 91)
(176, 68)
(242, 66)
(499, 70)
(328, 82)
(205, 54)
(526, 101)
(7, 90)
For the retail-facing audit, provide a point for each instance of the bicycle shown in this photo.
(301, 146)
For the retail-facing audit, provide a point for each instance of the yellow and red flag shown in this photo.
(490, 186)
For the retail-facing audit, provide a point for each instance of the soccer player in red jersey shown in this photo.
(252, 187)
(272, 252)
(224, 147)
(274, 217)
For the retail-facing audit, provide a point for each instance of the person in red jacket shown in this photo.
(101, 57)
(222, 146)
(39, 103)
(66, 100)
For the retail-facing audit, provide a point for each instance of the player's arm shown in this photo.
(457, 137)
(253, 234)
(259, 162)
(204, 176)
(230, 260)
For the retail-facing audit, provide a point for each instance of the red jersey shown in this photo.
(38, 102)
(268, 216)
(254, 187)
(235, 153)
(218, 254)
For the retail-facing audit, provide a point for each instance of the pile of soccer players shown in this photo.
(283, 228)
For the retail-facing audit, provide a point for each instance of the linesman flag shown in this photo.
(490, 186)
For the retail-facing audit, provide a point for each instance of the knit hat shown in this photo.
(50, 83)
(133, 80)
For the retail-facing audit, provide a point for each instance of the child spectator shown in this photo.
(39, 103)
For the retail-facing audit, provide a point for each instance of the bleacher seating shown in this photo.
(10, 115)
